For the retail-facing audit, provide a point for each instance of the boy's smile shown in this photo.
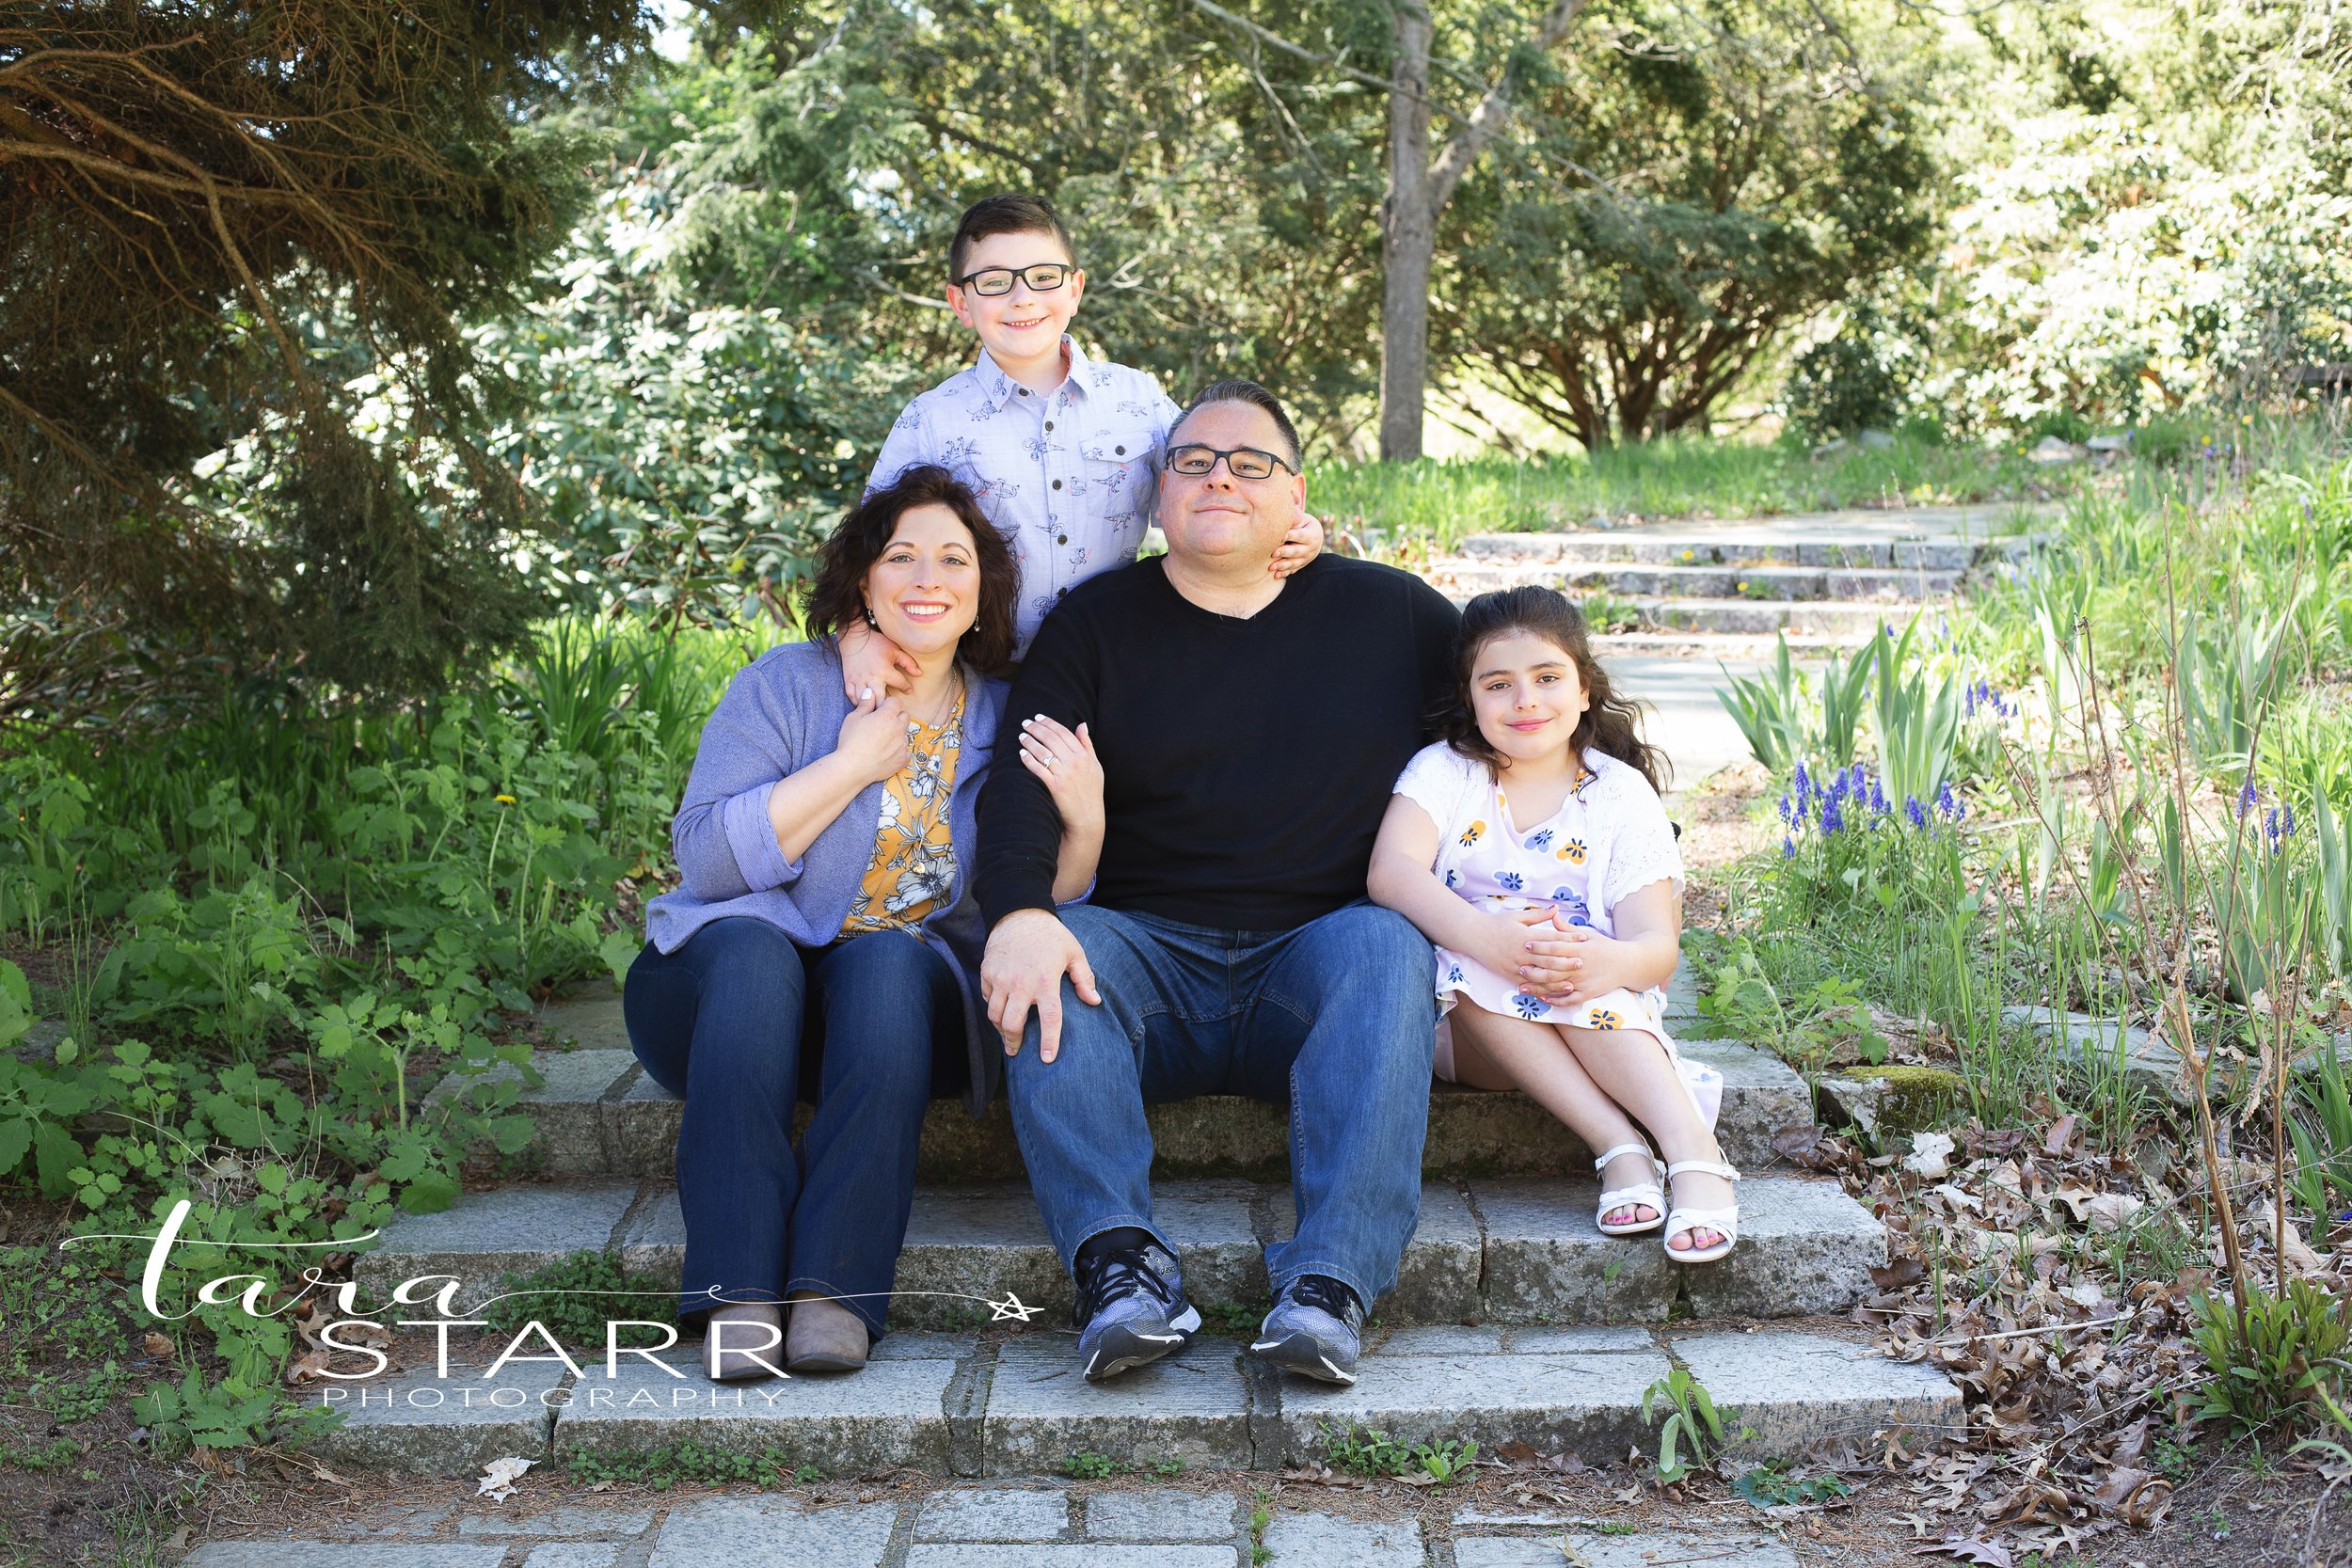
(1022, 330)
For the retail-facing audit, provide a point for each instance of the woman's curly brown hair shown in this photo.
(837, 598)
(1611, 725)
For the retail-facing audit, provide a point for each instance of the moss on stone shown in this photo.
(1916, 1098)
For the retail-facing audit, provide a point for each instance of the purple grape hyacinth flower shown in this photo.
(1915, 810)
(2246, 797)
(1832, 818)
(1947, 803)
(1788, 848)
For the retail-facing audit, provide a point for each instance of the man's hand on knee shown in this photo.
(1029, 953)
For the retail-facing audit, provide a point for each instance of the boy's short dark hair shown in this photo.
(1008, 213)
(1252, 395)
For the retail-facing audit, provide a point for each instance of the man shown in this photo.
(1249, 729)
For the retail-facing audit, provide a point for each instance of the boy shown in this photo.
(1061, 450)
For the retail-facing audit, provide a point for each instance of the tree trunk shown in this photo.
(1409, 241)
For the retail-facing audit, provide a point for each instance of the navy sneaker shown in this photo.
(1315, 1330)
(1130, 1308)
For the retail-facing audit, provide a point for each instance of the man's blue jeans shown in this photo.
(742, 1024)
(1335, 1018)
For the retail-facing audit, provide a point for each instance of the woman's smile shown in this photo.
(924, 611)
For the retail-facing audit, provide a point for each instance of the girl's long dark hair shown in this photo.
(1610, 724)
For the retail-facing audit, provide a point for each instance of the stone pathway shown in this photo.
(1031, 1525)
(1712, 595)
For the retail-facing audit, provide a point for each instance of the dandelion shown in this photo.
(1915, 810)
(504, 800)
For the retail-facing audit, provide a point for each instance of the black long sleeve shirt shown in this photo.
(1247, 762)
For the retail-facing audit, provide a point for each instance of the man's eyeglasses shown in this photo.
(1241, 461)
(1044, 278)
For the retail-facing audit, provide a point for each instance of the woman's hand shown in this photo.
(873, 738)
(1067, 763)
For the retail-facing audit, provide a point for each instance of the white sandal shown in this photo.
(1724, 1221)
(1647, 1193)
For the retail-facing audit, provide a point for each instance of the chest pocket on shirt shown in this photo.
(1119, 470)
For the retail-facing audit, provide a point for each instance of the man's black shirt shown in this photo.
(1247, 762)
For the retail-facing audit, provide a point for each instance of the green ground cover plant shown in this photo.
(254, 940)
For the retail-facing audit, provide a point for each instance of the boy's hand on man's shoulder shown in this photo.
(869, 660)
(1298, 546)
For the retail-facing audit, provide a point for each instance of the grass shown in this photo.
(1432, 504)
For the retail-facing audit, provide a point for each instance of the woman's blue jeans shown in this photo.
(742, 1023)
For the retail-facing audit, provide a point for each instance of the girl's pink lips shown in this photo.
(1526, 724)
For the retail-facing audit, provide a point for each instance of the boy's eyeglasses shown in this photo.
(1044, 278)
(1241, 461)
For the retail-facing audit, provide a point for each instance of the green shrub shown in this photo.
(574, 1300)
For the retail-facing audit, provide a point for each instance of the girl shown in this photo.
(1532, 847)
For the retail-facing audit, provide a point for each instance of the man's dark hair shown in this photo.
(1252, 395)
(837, 598)
(1008, 213)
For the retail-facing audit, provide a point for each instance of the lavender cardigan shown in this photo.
(778, 715)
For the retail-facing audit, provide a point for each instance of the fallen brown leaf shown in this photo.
(1990, 1554)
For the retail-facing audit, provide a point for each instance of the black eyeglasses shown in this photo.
(1241, 461)
(1044, 278)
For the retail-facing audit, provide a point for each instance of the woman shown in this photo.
(820, 943)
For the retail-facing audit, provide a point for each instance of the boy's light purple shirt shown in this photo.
(1067, 477)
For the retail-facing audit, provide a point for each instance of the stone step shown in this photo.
(1751, 545)
(598, 1114)
(1511, 1249)
(1014, 1404)
(1836, 584)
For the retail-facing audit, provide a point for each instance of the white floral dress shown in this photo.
(1608, 839)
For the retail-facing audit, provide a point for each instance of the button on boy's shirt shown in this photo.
(1067, 476)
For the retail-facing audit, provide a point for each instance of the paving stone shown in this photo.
(2148, 1063)
(1762, 1097)
(1512, 1551)
(1442, 1339)
(1554, 1402)
(338, 1554)
(1324, 1541)
(398, 1519)
(892, 1413)
(1159, 1517)
(1192, 1406)
(565, 1519)
(1470, 1518)
(1800, 1391)
(1224, 1261)
(592, 1020)
(1091, 1555)
(965, 1246)
(772, 1532)
(1579, 1341)
(995, 1514)
(1805, 1247)
(915, 1344)
(573, 1553)
(497, 1231)
(641, 1128)
(1547, 1259)
(1656, 1550)
(653, 1242)
(420, 1425)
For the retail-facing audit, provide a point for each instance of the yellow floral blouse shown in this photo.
(913, 868)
